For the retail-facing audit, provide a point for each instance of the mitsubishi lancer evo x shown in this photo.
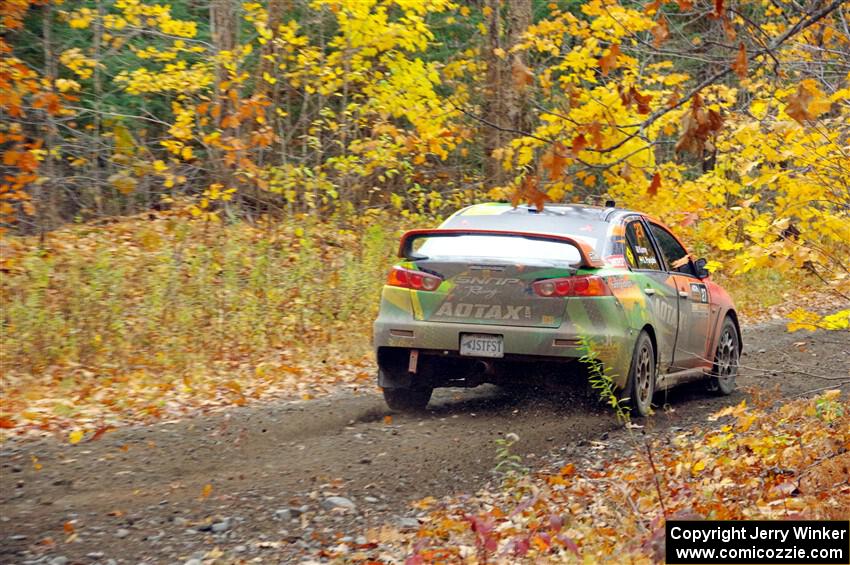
(496, 289)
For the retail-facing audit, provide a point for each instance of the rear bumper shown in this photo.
(600, 321)
(446, 337)
(613, 346)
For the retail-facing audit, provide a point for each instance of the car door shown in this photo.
(660, 294)
(693, 297)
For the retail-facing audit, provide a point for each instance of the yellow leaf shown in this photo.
(65, 85)
(698, 466)
(206, 491)
(75, 436)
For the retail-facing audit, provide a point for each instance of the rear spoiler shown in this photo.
(588, 256)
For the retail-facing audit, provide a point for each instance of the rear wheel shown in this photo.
(725, 370)
(641, 383)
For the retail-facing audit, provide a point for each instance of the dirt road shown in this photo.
(283, 476)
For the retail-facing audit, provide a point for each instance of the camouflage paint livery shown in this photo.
(681, 311)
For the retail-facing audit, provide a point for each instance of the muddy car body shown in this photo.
(495, 288)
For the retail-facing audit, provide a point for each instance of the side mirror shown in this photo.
(701, 271)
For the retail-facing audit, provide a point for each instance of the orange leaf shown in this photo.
(674, 98)
(579, 143)
(661, 32)
(388, 420)
(99, 432)
(535, 196)
(10, 158)
(68, 527)
(719, 9)
(654, 185)
(529, 192)
(685, 5)
(595, 131)
(47, 101)
(539, 543)
(697, 124)
(653, 7)
(625, 96)
(230, 121)
(555, 160)
(609, 61)
(729, 29)
(521, 74)
(206, 491)
(6, 423)
(740, 64)
(798, 105)
(642, 100)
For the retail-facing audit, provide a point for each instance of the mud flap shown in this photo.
(394, 380)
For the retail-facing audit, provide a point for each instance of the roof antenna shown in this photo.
(610, 204)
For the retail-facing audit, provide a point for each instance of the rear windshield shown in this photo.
(510, 248)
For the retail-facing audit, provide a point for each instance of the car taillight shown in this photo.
(417, 280)
(586, 285)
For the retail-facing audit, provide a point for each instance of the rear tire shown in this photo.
(640, 386)
(407, 399)
(725, 370)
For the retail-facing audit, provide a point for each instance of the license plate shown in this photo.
(481, 345)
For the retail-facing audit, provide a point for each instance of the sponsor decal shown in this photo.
(646, 259)
(616, 260)
(700, 309)
(483, 292)
(699, 293)
(484, 311)
(485, 280)
(483, 286)
(617, 282)
(665, 312)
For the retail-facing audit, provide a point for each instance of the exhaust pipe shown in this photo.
(482, 368)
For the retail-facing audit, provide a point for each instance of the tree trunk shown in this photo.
(505, 103)
(45, 194)
(223, 29)
(519, 19)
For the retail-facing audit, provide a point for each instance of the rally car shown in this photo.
(497, 291)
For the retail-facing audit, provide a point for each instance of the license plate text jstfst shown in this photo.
(481, 345)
